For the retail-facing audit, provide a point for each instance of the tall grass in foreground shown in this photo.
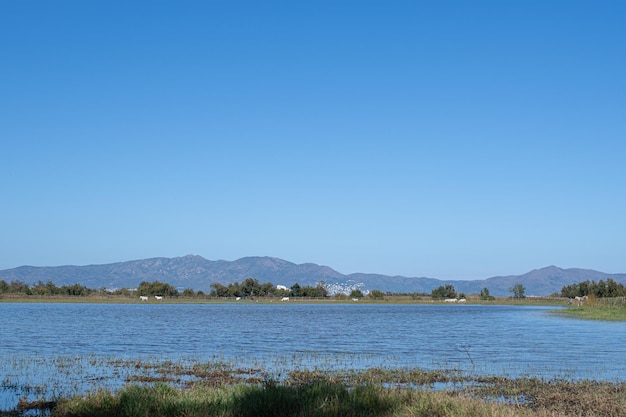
(322, 397)
(310, 400)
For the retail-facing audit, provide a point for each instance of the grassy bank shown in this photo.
(331, 397)
(595, 312)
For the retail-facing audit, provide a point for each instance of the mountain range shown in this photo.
(198, 273)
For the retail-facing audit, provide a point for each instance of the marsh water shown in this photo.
(493, 339)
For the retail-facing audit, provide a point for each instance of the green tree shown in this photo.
(156, 288)
(47, 288)
(570, 291)
(444, 291)
(75, 290)
(296, 290)
(19, 286)
(319, 291)
(484, 294)
(267, 289)
(610, 288)
(219, 290)
(250, 287)
(356, 293)
(518, 291)
(234, 289)
(615, 289)
(189, 292)
(376, 295)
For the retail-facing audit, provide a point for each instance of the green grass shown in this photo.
(596, 312)
(323, 397)
(220, 390)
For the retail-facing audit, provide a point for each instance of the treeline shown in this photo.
(41, 288)
(49, 288)
(252, 288)
(447, 291)
(600, 289)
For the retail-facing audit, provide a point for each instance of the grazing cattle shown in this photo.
(580, 300)
(462, 300)
(355, 299)
(143, 298)
(158, 297)
(450, 300)
(284, 299)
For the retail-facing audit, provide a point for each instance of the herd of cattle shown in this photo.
(145, 298)
(455, 300)
(578, 300)
(447, 300)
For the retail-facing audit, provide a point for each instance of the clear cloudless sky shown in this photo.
(448, 139)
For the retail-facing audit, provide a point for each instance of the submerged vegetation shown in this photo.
(222, 390)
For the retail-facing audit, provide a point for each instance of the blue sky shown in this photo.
(455, 140)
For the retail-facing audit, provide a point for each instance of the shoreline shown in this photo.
(388, 299)
(407, 392)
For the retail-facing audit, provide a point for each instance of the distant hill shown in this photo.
(198, 273)
(544, 281)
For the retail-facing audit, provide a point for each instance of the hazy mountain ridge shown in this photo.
(198, 273)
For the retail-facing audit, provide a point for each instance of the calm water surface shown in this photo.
(507, 340)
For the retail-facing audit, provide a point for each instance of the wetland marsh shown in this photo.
(50, 351)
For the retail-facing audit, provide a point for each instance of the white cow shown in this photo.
(580, 300)
(158, 297)
(462, 300)
(143, 298)
(284, 299)
(450, 300)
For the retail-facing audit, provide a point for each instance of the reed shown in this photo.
(327, 398)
